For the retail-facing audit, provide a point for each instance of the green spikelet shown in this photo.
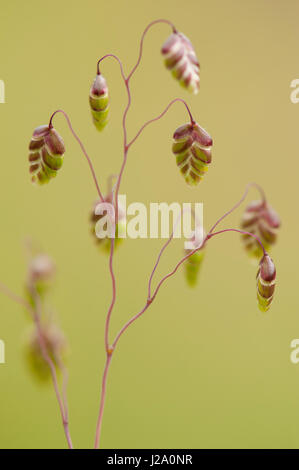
(99, 102)
(192, 149)
(192, 267)
(194, 262)
(46, 151)
(55, 345)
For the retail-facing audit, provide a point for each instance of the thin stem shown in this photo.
(82, 148)
(36, 318)
(113, 295)
(160, 116)
(65, 379)
(164, 248)
(126, 146)
(250, 185)
(114, 57)
(171, 273)
(142, 41)
(210, 235)
(19, 300)
(102, 402)
(112, 246)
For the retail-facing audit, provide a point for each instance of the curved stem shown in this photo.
(160, 116)
(210, 235)
(112, 246)
(82, 148)
(249, 185)
(142, 41)
(114, 57)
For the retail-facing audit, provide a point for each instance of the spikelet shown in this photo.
(55, 344)
(99, 102)
(46, 150)
(181, 59)
(193, 263)
(192, 149)
(105, 242)
(266, 277)
(260, 220)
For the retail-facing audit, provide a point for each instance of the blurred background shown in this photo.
(203, 368)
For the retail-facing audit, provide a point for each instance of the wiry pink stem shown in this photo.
(82, 148)
(102, 401)
(112, 246)
(117, 59)
(142, 41)
(210, 235)
(160, 116)
(126, 146)
(250, 185)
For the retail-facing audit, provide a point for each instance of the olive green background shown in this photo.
(203, 368)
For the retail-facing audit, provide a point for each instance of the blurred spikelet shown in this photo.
(260, 220)
(55, 344)
(181, 60)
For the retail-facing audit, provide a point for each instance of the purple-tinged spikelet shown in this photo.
(99, 102)
(181, 59)
(46, 150)
(192, 149)
(260, 220)
(266, 280)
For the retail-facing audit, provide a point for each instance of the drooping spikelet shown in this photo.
(181, 59)
(193, 263)
(99, 102)
(55, 344)
(46, 150)
(266, 277)
(103, 240)
(260, 220)
(192, 149)
(41, 271)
